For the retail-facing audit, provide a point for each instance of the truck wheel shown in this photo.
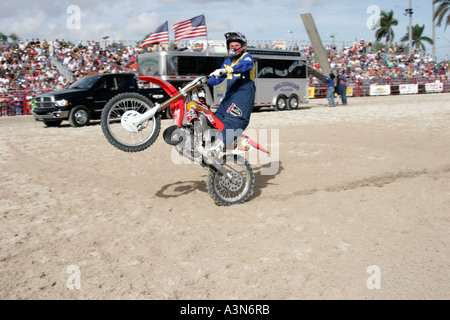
(79, 116)
(293, 102)
(52, 123)
(281, 103)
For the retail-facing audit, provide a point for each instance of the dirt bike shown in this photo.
(131, 123)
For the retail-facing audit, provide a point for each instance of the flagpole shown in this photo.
(168, 34)
(206, 29)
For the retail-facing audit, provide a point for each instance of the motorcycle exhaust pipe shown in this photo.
(168, 136)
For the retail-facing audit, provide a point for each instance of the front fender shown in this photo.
(169, 89)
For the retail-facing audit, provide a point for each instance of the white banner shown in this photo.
(279, 44)
(409, 88)
(217, 43)
(434, 87)
(382, 90)
(198, 45)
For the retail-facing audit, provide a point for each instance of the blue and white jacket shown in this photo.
(241, 69)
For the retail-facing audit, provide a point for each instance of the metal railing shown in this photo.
(14, 103)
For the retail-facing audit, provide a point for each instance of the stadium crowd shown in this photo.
(88, 59)
(27, 66)
(363, 61)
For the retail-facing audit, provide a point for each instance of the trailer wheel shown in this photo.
(281, 103)
(293, 102)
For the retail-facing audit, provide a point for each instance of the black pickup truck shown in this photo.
(84, 100)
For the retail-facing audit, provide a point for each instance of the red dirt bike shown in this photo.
(131, 123)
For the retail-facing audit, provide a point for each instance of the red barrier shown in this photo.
(13, 103)
(18, 102)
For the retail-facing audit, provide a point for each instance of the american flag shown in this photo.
(161, 34)
(195, 27)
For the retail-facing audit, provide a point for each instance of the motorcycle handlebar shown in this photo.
(200, 81)
(195, 84)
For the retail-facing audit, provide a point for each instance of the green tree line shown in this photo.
(387, 22)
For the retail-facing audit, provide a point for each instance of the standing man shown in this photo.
(342, 83)
(237, 105)
(330, 89)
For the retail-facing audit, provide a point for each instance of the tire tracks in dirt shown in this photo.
(374, 181)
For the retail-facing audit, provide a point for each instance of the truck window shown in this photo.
(85, 82)
(194, 66)
(126, 83)
(271, 68)
(109, 83)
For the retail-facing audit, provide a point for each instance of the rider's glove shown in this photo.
(218, 73)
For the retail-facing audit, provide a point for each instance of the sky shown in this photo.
(262, 20)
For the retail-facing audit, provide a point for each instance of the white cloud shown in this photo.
(29, 24)
(143, 24)
(219, 26)
(257, 19)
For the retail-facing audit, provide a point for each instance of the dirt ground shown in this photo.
(353, 203)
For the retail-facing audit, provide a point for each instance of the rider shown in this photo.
(237, 105)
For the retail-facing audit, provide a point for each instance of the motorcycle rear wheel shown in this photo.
(227, 192)
(116, 134)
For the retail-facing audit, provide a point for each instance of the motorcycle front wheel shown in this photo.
(226, 191)
(116, 133)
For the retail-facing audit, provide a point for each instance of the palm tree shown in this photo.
(442, 10)
(385, 30)
(3, 37)
(14, 37)
(417, 37)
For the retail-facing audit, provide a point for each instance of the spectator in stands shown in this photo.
(56, 44)
(17, 106)
(4, 105)
(25, 65)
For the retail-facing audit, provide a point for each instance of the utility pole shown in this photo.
(410, 23)
(434, 35)
(292, 33)
(333, 37)
(105, 38)
(409, 12)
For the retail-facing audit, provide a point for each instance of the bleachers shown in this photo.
(26, 70)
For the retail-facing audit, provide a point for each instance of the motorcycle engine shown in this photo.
(189, 139)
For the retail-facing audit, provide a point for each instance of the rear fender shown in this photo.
(254, 144)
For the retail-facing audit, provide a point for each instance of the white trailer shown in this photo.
(281, 75)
